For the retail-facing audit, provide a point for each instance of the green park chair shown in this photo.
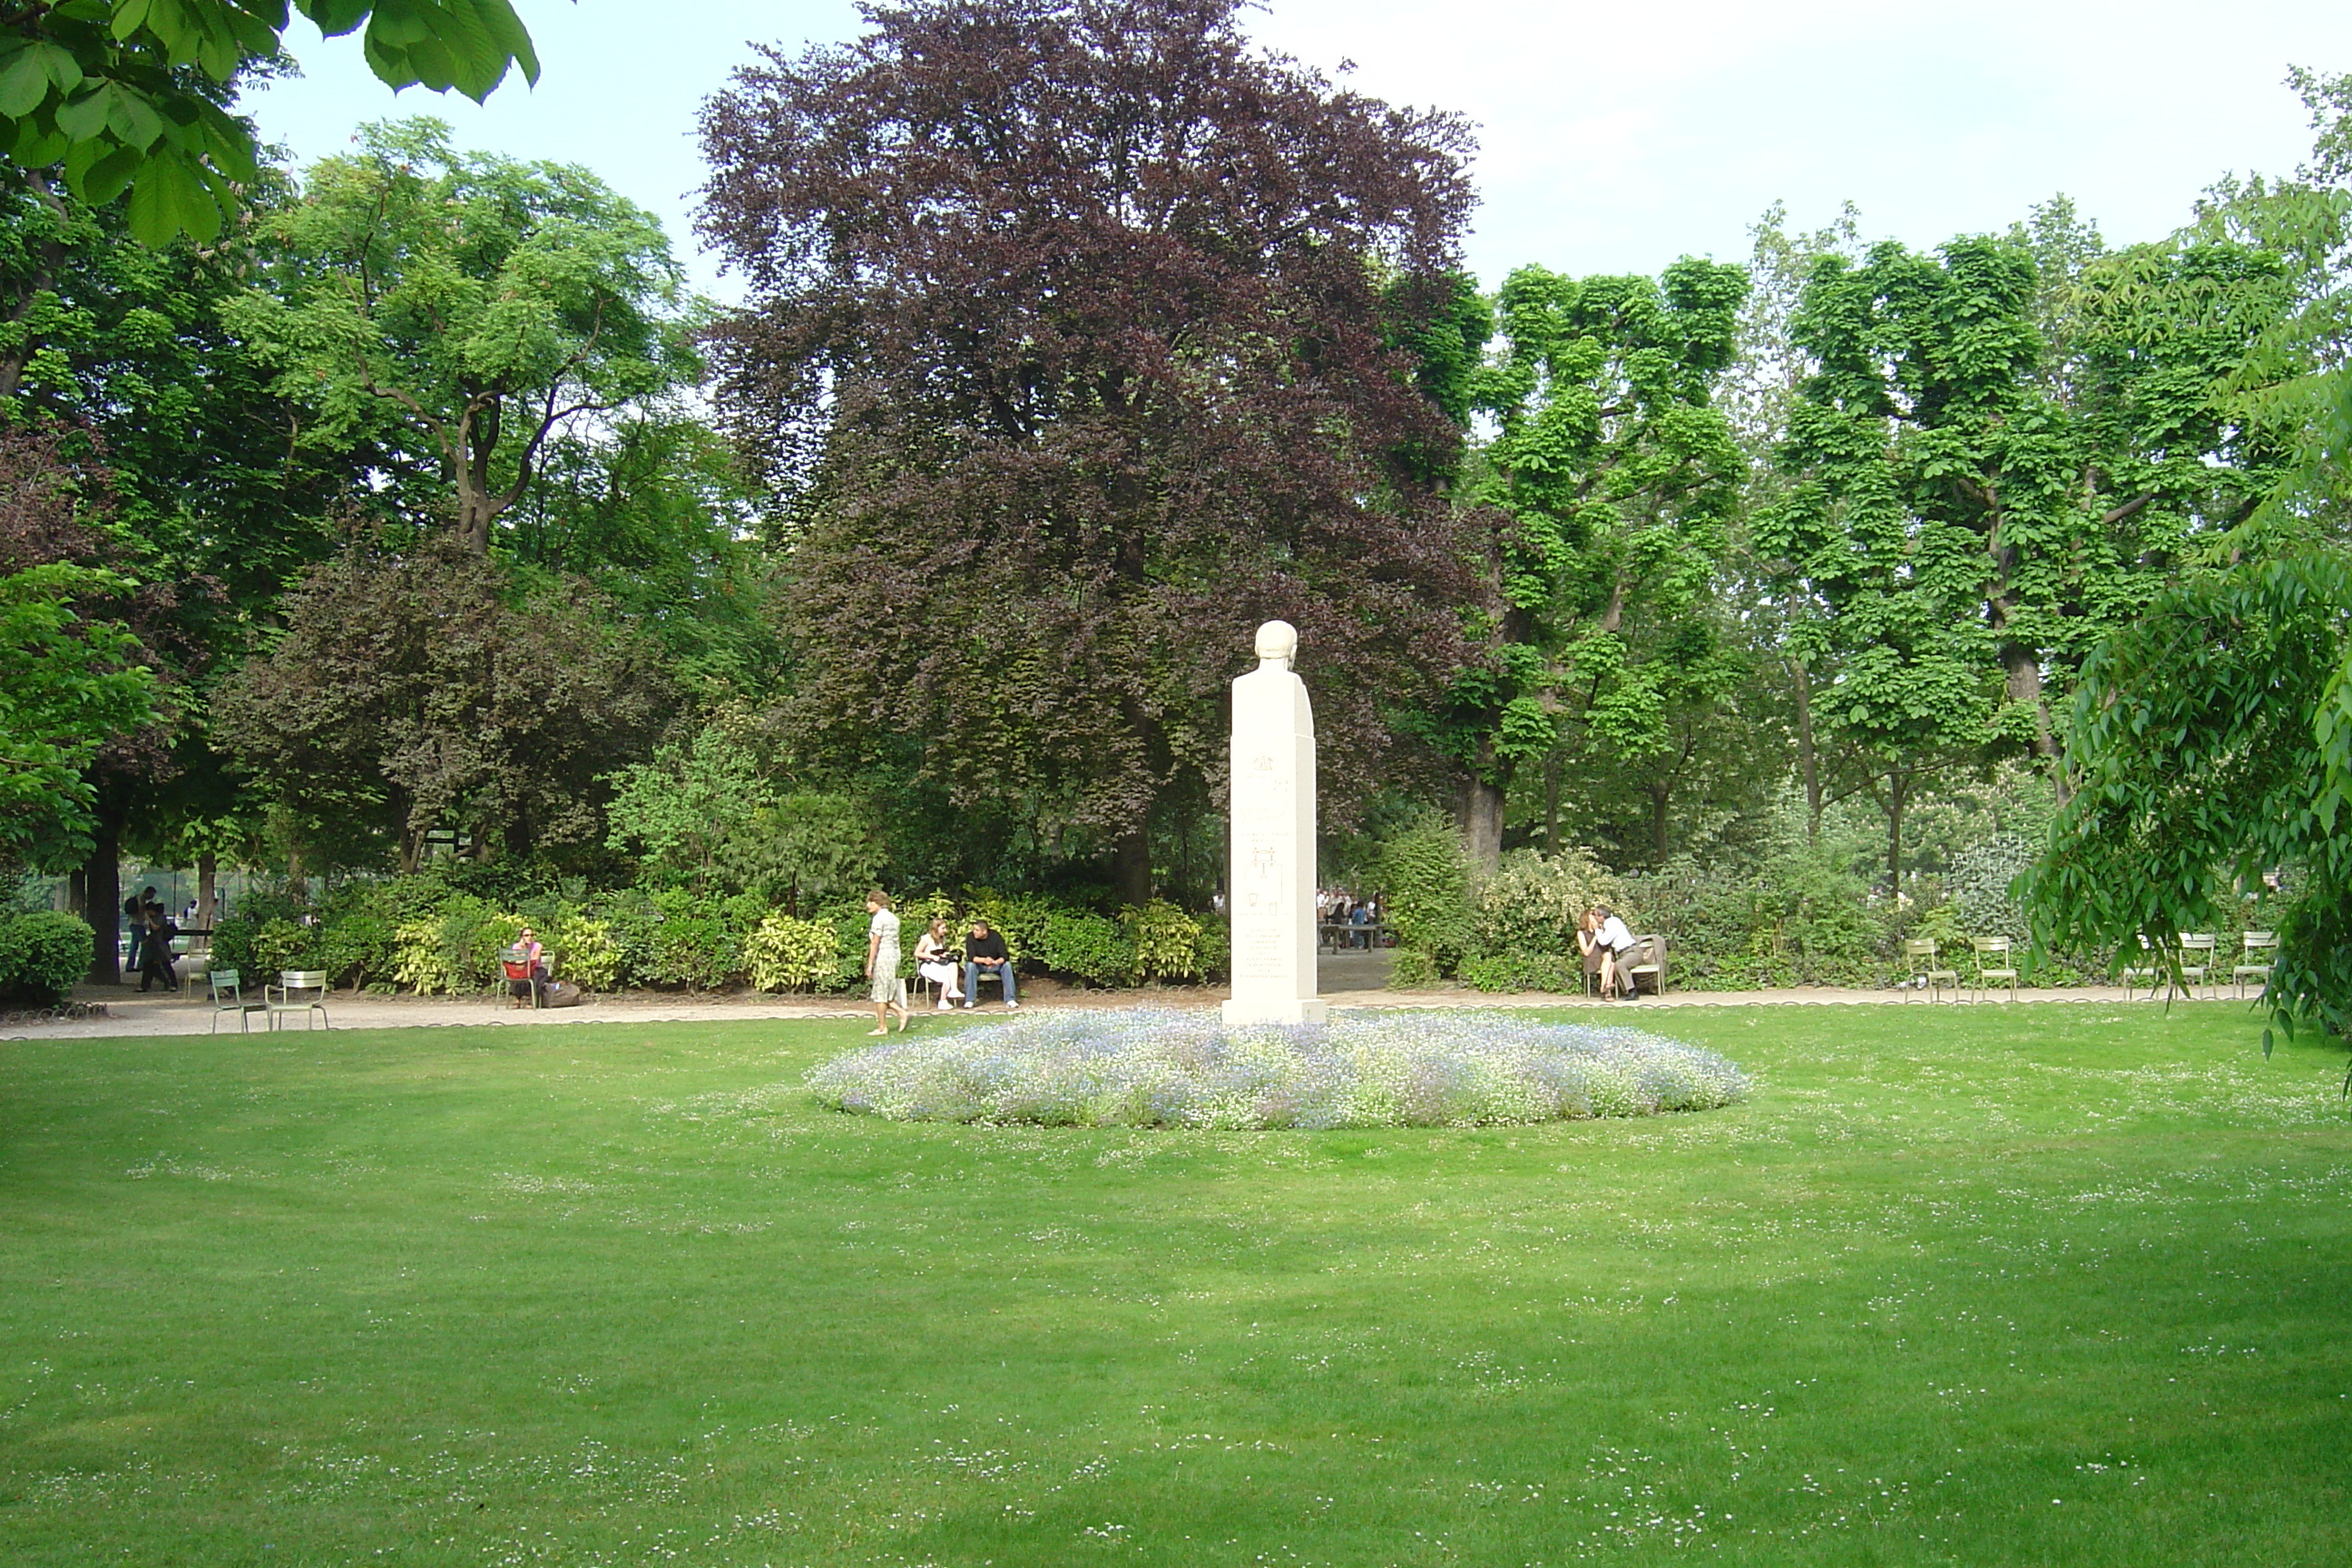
(2150, 968)
(1919, 957)
(1647, 960)
(1995, 965)
(302, 991)
(2260, 953)
(2197, 959)
(229, 997)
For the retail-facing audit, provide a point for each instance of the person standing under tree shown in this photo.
(883, 984)
(156, 930)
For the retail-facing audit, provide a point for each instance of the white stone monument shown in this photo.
(1271, 885)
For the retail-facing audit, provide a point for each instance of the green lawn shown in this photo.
(2044, 1284)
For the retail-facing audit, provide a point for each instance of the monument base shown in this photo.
(1304, 1010)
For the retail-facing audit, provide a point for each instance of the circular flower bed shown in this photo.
(1160, 1068)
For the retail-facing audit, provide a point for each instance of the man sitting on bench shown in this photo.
(986, 958)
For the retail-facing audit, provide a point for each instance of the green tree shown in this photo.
(125, 97)
(463, 310)
(118, 349)
(2213, 742)
(1611, 485)
(2213, 731)
(654, 509)
(710, 815)
(1963, 514)
(66, 685)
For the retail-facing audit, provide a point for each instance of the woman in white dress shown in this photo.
(935, 962)
(883, 984)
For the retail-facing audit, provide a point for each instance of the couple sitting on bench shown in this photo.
(1609, 946)
(986, 957)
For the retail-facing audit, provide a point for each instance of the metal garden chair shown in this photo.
(1919, 955)
(302, 991)
(2001, 971)
(229, 997)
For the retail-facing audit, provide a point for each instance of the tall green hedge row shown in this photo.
(424, 934)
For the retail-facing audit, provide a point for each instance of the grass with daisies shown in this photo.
(2025, 1284)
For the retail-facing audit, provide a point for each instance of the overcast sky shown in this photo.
(1613, 139)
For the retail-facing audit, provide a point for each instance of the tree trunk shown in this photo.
(2022, 671)
(1551, 805)
(102, 902)
(207, 873)
(1131, 867)
(76, 893)
(1481, 819)
(1660, 798)
(1894, 792)
(1809, 762)
(49, 255)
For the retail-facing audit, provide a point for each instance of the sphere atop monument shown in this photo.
(1277, 642)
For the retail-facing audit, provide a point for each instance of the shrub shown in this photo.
(358, 937)
(789, 955)
(849, 923)
(359, 945)
(1167, 942)
(1523, 972)
(1216, 949)
(1020, 919)
(585, 949)
(630, 919)
(1804, 918)
(1090, 948)
(455, 948)
(1147, 1068)
(1425, 888)
(693, 943)
(42, 955)
(1532, 904)
(283, 944)
(232, 943)
(1980, 884)
(1412, 969)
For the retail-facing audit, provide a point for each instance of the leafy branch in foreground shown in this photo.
(2214, 743)
(126, 94)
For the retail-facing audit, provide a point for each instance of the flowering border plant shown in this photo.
(1156, 1067)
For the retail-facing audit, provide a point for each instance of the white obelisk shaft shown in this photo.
(1271, 885)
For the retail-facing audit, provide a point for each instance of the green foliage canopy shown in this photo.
(126, 95)
(462, 309)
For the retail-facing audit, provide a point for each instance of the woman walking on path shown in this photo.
(883, 984)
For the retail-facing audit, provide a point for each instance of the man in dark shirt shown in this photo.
(985, 958)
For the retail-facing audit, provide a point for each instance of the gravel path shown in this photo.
(130, 1014)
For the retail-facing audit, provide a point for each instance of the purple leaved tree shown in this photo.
(1072, 341)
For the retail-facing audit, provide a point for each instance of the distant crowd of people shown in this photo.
(1337, 906)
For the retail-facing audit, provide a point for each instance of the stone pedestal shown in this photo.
(1270, 885)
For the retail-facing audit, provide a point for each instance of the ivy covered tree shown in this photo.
(1075, 338)
(1610, 489)
(460, 310)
